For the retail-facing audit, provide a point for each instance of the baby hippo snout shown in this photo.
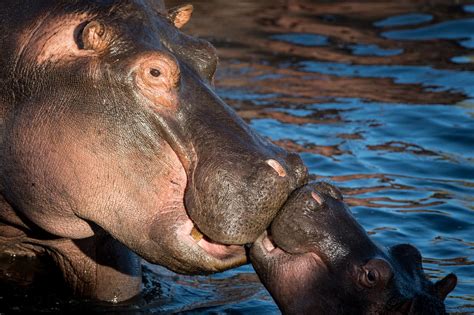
(311, 221)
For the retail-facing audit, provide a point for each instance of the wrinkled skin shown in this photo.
(319, 260)
(113, 143)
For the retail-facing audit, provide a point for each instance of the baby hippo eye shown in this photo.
(372, 277)
(375, 273)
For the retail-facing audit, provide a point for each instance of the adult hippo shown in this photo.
(113, 143)
(325, 263)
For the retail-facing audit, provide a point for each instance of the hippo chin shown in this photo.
(319, 260)
(113, 143)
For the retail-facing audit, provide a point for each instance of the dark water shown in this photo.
(378, 97)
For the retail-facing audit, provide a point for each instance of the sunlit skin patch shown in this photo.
(53, 40)
(157, 75)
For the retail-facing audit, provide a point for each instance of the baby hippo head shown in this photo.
(316, 259)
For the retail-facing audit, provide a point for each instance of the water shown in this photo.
(376, 97)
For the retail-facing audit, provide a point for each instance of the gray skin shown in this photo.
(114, 145)
(319, 260)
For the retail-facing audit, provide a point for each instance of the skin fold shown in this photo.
(114, 146)
(316, 259)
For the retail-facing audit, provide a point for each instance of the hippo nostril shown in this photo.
(277, 167)
(316, 197)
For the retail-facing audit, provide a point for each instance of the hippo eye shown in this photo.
(377, 272)
(371, 277)
(155, 72)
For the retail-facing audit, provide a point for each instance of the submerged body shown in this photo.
(319, 260)
(114, 146)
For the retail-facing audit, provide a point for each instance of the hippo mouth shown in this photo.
(231, 255)
(189, 250)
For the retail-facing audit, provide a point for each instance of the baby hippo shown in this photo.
(319, 260)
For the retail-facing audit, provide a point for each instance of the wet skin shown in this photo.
(114, 146)
(319, 260)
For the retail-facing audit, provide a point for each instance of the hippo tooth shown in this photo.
(196, 235)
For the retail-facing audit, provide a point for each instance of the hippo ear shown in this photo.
(94, 36)
(444, 286)
(180, 15)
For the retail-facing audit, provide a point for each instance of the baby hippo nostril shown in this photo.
(277, 167)
(316, 197)
(330, 190)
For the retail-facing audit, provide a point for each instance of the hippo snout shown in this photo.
(242, 195)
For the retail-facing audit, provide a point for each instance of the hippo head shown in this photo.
(111, 123)
(319, 260)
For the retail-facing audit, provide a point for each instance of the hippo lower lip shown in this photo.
(219, 251)
(220, 255)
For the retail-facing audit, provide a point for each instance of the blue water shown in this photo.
(378, 100)
(302, 39)
(404, 19)
(457, 29)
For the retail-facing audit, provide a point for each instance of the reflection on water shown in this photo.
(378, 98)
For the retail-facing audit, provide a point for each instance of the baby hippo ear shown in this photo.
(180, 15)
(444, 286)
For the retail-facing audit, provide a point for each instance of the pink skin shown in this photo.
(54, 47)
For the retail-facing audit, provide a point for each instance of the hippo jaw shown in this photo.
(317, 259)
